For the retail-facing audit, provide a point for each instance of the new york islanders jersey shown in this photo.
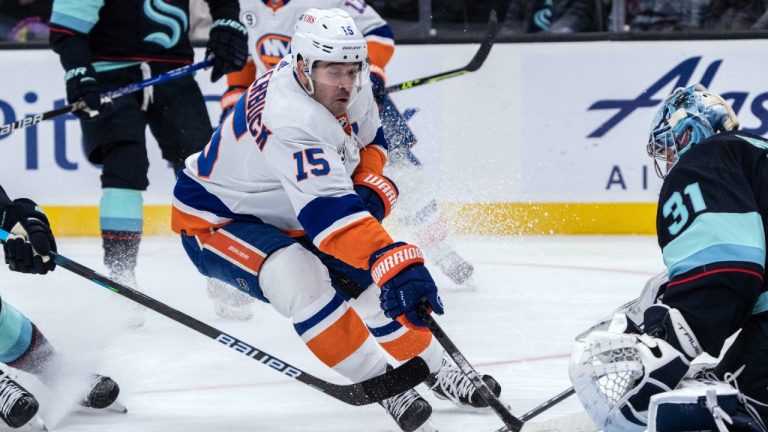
(711, 224)
(283, 159)
(271, 24)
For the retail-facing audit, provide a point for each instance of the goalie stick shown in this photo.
(130, 88)
(391, 383)
(473, 65)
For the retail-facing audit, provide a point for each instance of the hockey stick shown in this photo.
(473, 65)
(130, 88)
(513, 423)
(384, 386)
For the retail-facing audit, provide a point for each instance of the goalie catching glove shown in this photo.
(616, 374)
(405, 283)
(30, 240)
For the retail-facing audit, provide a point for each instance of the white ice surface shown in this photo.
(534, 294)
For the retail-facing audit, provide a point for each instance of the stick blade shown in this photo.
(396, 381)
(487, 44)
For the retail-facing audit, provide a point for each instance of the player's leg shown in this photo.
(274, 268)
(409, 409)
(264, 262)
(24, 347)
(418, 211)
(446, 381)
(115, 139)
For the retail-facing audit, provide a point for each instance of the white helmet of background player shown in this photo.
(329, 35)
(687, 117)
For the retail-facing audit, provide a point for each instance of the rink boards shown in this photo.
(544, 138)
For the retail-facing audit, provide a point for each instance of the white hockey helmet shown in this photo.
(329, 35)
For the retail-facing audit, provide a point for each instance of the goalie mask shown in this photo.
(330, 36)
(687, 117)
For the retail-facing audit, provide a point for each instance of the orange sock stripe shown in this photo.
(409, 345)
(339, 341)
(238, 252)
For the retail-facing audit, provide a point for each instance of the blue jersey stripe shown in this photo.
(761, 305)
(755, 142)
(80, 15)
(718, 253)
(717, 237)
(383, 31)
(385, 330)
(322, 314)
(239, 125)
(322, 212)
(193, 194)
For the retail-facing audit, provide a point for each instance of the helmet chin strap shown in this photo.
(310, 87)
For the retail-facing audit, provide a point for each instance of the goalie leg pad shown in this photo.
(699, 404)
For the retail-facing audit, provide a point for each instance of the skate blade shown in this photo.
(117, 407)
(34, 425)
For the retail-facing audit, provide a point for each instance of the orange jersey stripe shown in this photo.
(236, 251)
(380, 53)
(372, 160)
(244, 77)
(339, 341)
(294, 233)
(355, 242)
(191, 225)
(408, 346)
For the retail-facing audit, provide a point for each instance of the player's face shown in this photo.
(334, 83)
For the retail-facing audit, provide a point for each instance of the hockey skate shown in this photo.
(228, 302)
(17, 406)
(410, 411)
(102, 393)
(455, 267)
(450, 383)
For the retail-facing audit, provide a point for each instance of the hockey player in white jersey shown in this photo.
(270, 26)
(285, 204)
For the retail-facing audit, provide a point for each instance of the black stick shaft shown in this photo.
(473, 65)
(565, 394)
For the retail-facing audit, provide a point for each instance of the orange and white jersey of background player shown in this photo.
(271, 24)
(283, 159)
